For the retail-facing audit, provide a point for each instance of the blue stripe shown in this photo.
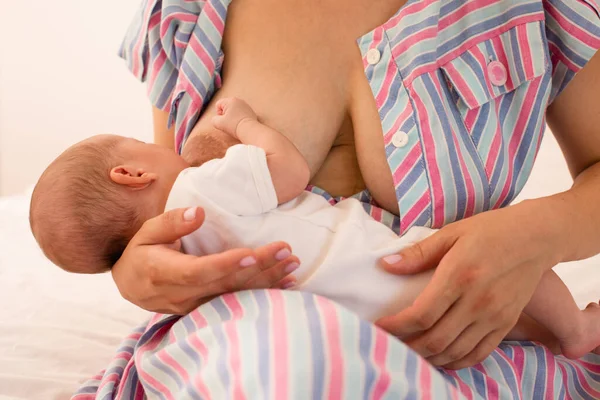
(317, 347)
(489, 24)
(263, 338)
(460, 185)
(365, 342)
(217, 329)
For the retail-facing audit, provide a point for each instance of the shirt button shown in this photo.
(373, 56)
(497, 73)
(400, 139)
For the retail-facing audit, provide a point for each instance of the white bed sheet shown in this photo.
(58, 329)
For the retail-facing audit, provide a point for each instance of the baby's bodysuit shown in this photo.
(338, 246)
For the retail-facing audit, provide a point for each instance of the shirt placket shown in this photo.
(400, 133)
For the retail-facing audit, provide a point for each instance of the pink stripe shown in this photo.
(490, 384)
(148, 347)
(471, 118)
(171, 362)
(463, 388)
(141, 39)
(425, 380)
(194, 342)
(462, 86)
(479, 56)
(518, 363)
(573, 29)
(557, 54)
(384, 91)
(379, 360)
(413, 40)
(334, 356)
(175, 18)
(281, 360)
(126, 371)
(410, 9)
(434, 172)
(525, 51)
(501, 56)
(213, 16)
(565, 377)
(512, 367)
(417, 209)
(496, 145)
(593, 393)
(467, 8)
(401, 119)
(590, 366)
(550, 373)
(235, 364)
(470, 43)
(518, 133)
(407, 164)
(376, 214)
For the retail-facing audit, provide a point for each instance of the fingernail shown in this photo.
(282, 254)
(393, 259)
(190, 214)
(289, 285)
(247, 261)
(291, 268)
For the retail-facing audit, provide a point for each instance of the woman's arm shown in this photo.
(162, 135)
(489, 265)
(153, 274)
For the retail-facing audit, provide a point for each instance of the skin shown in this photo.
(485, 275)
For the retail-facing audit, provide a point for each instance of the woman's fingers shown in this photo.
(169, 227)
(168, 267)
(444, 334)
(421, 256)
(272, 276)
(483, 349)
(431, 305)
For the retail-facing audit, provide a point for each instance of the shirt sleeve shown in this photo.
(573, 33)
(239, 183)
(175, 47)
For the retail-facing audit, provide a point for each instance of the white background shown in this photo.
(61, 81)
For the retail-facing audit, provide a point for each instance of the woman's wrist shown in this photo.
(545, 219)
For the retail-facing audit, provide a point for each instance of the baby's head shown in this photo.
(96, 195)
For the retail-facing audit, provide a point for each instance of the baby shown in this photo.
(94, 197)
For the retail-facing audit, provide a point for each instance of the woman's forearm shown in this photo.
(569, 221)
(162, 135)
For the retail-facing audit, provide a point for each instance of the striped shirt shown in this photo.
(461, 87)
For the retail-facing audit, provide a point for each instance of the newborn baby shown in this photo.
(94, 197)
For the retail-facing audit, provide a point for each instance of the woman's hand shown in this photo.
(154, 275)
(488, 267)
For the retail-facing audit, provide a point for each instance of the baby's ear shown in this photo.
(133, 177)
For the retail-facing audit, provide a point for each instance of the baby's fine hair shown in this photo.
(81, 219)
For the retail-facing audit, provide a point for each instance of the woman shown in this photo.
(430, 110)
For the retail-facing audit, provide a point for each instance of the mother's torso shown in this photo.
(437, 109)
(298, 64)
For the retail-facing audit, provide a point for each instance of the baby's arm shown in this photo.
(288, 168)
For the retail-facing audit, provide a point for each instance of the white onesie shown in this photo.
(338, 246)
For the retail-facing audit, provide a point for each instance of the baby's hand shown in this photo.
(230, 113)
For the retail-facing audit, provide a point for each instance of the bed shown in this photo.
(83, 319)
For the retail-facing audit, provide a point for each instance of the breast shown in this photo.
(302, 73)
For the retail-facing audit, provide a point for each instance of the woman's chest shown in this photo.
(446, 99)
